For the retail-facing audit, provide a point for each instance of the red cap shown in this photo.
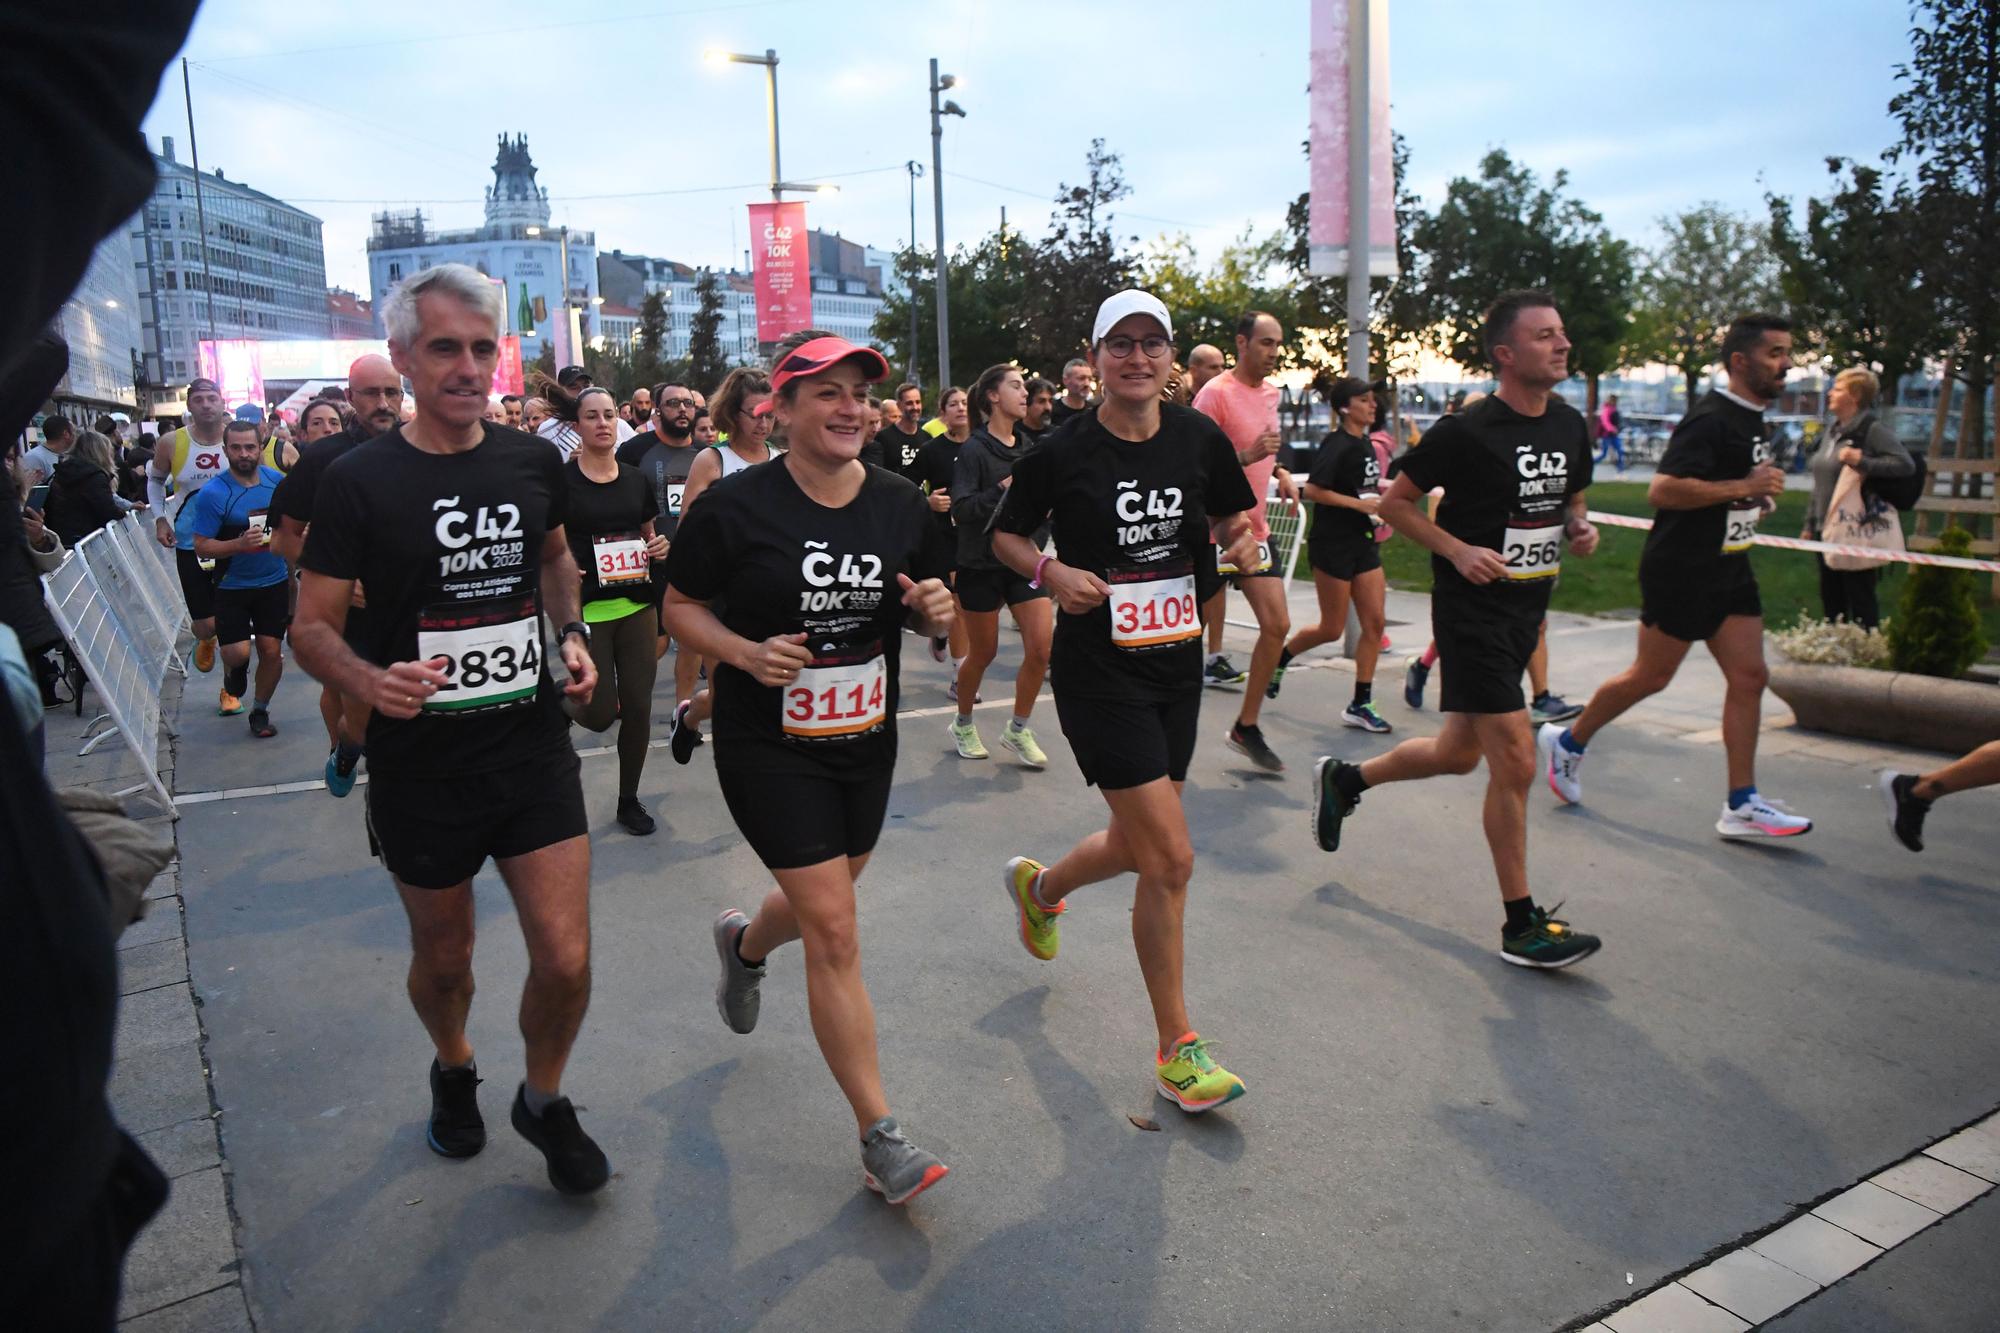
(821, 354)
(763, 408)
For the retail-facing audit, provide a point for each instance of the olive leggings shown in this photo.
(623, 651)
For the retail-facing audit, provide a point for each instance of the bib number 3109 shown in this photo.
(1150, 613)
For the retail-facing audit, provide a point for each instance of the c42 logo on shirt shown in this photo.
(859, 578)
(1154, 516)
(499, 526)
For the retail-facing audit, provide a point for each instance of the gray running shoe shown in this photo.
(736, 993)
(894, 1167)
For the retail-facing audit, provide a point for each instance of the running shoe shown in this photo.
(1547, 942)
(260, 724)
(1553, 708)
(227, 704)
(738, 993)
(939, 647)
(338, 781)
(1385, 643)
(1190, 1078)
(1906, 808)
(1330, 807)
(683, 737)
(1365, 717)
(634, 818)
(456, 1128)
(894, 1167)
(951, 692)
(1221, 671)
(1562, 766)
(1040, 934)
(1759, 818)
(1249, 742)
(1021, 742)
(966, 737)
(576, 1164)
(204, 655)
(1277, 680)
(1415, 676)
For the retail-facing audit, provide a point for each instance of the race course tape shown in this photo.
(1800, 544)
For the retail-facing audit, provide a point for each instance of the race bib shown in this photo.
(1152, 612)
(1739, 530)
(1532, 550)
(675, 489)
(492, 653)
(838, 696)
(621, 559)
(1222, 565)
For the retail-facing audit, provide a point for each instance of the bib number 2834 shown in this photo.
(492, 653)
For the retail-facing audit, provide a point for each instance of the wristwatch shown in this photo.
(578, 628)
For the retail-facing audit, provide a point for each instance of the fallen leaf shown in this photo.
(410, 1203)
(1151, 1126)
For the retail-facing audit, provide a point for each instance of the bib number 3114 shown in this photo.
(837, 697)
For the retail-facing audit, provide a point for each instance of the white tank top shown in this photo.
(195, 465)
(734, 462)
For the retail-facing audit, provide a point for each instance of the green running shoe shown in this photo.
(1021, 742)
(967, 739)
(1330, 808)
(1039, 933)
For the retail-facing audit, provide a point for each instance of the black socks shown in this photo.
(737, 945)
(1364, 692)
(1284, 659)
(1347, 780)
(1520, 915)
(236, 679)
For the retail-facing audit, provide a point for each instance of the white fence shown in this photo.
(120, 610)
(1288, 528)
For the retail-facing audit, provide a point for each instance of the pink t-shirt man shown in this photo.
(1244, 413)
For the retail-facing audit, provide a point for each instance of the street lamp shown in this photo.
(769, 60)
(940, 83)
(915, 170)
(571, 321)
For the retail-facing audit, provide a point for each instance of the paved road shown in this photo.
(1432, 1140)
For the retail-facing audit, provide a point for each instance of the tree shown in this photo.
(1206, 304)
(985, 287)
(650, 355)
(706, 362)
(1712, 266)
(1079, 263)
(1845, 275)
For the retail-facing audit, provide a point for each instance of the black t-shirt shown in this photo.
(781, 563)
(900, 449)
(603, 531)
(1136, 514)
(1346, 464)
(449, 547)
(936, 463)
(1507, 481)
(1720, 440)
(874, 451)
(665, 468)
(296, 494)
(1062, 411)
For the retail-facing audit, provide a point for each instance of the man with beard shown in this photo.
(252, 599)
(902, 429)
(664, 455)
(1041, 402)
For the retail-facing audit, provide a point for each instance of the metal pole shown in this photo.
(1357, 188)
(937, 195)
(201, 212)
(569, 334)
(911, 375)
(771, 104)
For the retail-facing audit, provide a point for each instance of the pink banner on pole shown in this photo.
(1327, 225)
(507, 377)
(236, 368)
(783, 269)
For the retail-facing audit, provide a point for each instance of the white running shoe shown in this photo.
(1759, 818)
(1561, 765)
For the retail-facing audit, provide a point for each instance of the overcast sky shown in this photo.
(346, 108)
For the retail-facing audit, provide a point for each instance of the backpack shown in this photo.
(1902, 493)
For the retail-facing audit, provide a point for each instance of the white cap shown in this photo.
(1131, 301)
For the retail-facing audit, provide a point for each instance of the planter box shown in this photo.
(1924, 712)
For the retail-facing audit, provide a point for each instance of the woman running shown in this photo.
(817, 561)
(319, 419)
(979, 482)
(1345, 487)
(936, 463)
(1130, 491)
(610, 531)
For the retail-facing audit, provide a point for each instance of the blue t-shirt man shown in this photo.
(226, 508)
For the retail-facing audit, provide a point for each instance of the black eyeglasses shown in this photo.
(1120, 346)
(667, 404)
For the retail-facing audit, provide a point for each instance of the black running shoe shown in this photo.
(576, 1163)
(632, 817)
(1330, 807)
(1906, 808)
(685, 736)
(1547, 942)
(456, 1128)
(1249, 742)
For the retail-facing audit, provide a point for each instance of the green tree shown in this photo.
(649, 355)
(1070, 271)
(985, 287)
(706, 362)
(1712, 266)
(1845, 273)
(1206, 303)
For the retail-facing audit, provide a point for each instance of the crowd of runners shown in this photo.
(781, 532)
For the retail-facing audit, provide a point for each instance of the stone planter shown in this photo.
(1923, 712)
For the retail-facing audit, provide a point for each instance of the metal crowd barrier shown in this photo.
(1288, 528)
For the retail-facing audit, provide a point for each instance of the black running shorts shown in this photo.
(1120, 743)
(1692, 610)
(792, 820)
(991, 589)
(435, 833)
(1483, 651)
(241, 612)
(1344, 560)
(197, 585)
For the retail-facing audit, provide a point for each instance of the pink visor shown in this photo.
(822, 353)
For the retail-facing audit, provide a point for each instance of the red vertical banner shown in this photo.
(507, 376)
(783, 269)
(1330, 120)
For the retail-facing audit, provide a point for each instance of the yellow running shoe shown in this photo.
(1191, 1079)
(204, 655)
(1038, 923)
(227, 704)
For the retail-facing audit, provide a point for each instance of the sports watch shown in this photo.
(576, 627)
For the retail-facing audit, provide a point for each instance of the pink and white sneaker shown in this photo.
(1759, 818)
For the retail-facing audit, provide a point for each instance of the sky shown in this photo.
(348, 108)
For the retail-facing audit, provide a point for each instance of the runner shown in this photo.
(375, 391)
(231, 527)
(1544, 705)
(1041, 402)
(981, 479)
(456, 528)
(614, 538)
(818, 561)
(319, 419)
(1714, 482)
(936, 464)
(872, 445)
(1245, 404)
(664, 456)
(705, 436)
(1131, 491)
(1204, 363)
(1075, 392)
(190, 458)
(1513, 468)
(903, 437)
(1345, 487)
(1910, 797)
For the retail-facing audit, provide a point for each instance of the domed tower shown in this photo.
(514, 200)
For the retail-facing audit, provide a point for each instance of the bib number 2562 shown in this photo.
(1532, 552)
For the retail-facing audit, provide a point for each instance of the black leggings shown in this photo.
(1849, 594)
(626, 667)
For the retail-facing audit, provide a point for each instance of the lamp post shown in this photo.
(915, 170)
(769, 60)
(570, 324)
(939, 83)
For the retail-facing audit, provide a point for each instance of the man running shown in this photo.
(1076, 392)
(1204, 363)
(1513, 468)
(1245, 404)
(456, 527)
(665, 455)
(1041, 402)
(1909, 797)
(1714, 482)
(1130, 494)
(375, 391)
(190, 458)
(231, 526)
(902, 433)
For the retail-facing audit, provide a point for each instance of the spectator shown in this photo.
(80, 496)
(1610, 424)
(38, 464)
(1857, 439)
(27, 551)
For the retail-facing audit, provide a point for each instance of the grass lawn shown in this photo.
(1608, 582)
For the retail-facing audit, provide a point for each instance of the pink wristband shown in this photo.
(1040, 565)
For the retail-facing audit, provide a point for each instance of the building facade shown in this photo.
(349, 316)
(101, 324)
